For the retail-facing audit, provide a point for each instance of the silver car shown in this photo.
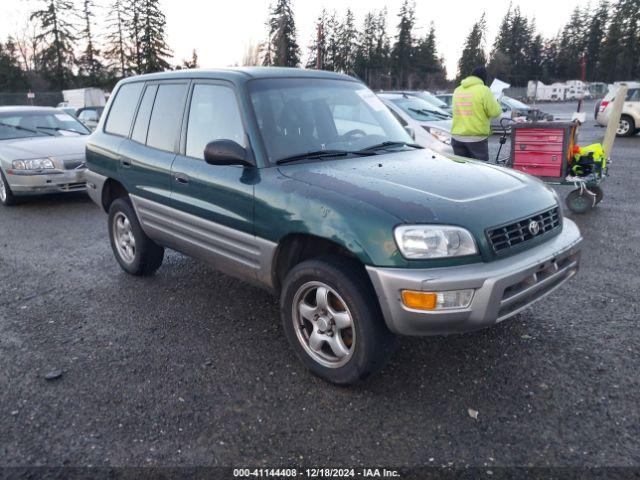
(42, 150)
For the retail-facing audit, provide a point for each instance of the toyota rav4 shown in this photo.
(303, 182)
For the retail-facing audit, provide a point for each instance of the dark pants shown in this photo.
(477, 150)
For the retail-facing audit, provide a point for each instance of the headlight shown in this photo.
(439, 135)
(434, 241)
(35, 164)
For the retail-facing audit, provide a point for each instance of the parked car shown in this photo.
(42, 150)
(431, 127)
(90, 116)
(519, 112)
(630, 120)
(424, 95)
(447, 99)
(303, 182)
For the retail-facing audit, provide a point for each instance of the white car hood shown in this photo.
(39, 147)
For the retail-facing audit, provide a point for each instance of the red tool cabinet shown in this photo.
(542, 149)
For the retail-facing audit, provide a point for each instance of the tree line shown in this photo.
(60, 49)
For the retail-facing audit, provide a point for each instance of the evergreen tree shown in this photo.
(509, 58)
(535, 57)
(58, 34)
(12, 78)
(192, 62)
(319, 44)
(116, 46)
(403, 48)
(154, 50)
(473, 51)
(595, 35)
(572, 46)
(282, 36)
(134, 25)
(89, 64)
(372, 56)
(346, 38)
(427, 66)
(630, 44)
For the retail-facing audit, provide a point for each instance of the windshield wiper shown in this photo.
(388, 144)
(25, 129)
(427, 113)
(320, 154)
(60, 129)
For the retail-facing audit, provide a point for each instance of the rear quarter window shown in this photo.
(123, 109)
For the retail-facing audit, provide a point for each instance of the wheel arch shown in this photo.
(295, 248)
(111, 191)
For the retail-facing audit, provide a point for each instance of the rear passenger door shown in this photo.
(147, 156)
(214, 203)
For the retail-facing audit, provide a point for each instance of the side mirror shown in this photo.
(226, 152)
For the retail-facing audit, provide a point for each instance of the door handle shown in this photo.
(125, 162)
(181, 178)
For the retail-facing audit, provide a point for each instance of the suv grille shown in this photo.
(503, 238)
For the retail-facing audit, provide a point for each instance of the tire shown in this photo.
(7, 198)
(580, 202)
(364, 341)
(627, 126)
(136, 253)
(598, 193)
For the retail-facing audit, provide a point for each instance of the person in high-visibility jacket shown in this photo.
(473, 108)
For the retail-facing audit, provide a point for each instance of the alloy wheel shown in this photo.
(323, 324)
(623, 127)
(123, 237)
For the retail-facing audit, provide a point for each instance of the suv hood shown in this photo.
(39, 147)
(422, 186)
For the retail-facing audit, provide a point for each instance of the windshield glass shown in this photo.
(419, 109)
(432, 99)
(297, 116)
(39, 124)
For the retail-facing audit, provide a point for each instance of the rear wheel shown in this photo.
(136, 253)
(6, 195)
(333, 321)
(626, 127)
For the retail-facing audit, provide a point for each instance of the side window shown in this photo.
(166, 116)
(144, 112)
(213, 115)
(123, 109)
(633, 95)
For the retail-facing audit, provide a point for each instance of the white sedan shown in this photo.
(431, 126)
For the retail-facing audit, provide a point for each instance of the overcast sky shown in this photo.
(220, 30)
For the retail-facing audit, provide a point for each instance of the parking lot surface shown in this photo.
(191, 367)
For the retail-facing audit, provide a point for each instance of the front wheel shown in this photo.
(6, 195)
(136, 253)
(333, 321)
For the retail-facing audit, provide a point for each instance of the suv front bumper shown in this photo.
(502, 288)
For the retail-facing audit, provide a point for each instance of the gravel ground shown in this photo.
(191, 367)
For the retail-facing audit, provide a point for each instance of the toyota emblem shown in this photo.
(534, 227)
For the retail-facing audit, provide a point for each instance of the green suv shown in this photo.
(303, 182)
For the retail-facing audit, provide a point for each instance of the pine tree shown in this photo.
(282, 36)
(134, 26)
(346, 37)
(630, 45)
(535, 57)
(89, 64)
(509, 57)
(116, 46)
(426, 64)
(473, 53)
(572, 46)
(596, 30)
(12, 78)
(403, 48)
(192, 62)
(154, 50)
(59, 36)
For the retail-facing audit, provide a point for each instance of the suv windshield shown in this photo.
(420, 109)
(298, 116)
(39, 124)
